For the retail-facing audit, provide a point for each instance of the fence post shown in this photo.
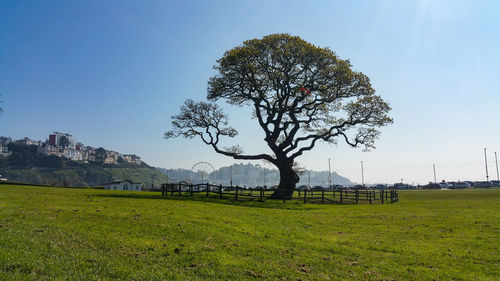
(236, 193)
(323, 196)
(334, 193)
(162, 189)
(382, 196)
(180, 188)
(207, 189)
(392, 196)
(191, 189)
(261, 193)
(220, 191)
(305, 196)
(356, 195)
(340, 196)
(299, 193)
(370, 196)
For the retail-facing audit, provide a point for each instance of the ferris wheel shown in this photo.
(202, 172)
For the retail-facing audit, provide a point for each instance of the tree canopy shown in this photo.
(301, 94)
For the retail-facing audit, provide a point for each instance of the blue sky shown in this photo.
(113, 72)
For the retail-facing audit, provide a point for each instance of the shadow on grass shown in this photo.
(253, 203)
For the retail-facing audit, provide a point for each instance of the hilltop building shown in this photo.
(4, 150)
(65, 145)
(5, 140)
(61, 139)
(28, 141)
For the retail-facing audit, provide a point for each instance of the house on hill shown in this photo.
(123, 185)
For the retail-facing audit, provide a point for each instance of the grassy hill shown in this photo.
(26, 165)
(85, 234)
(85, 176)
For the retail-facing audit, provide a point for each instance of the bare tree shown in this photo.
(300, 94)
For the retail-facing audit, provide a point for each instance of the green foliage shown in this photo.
(300, 94)
(83, 234)
(27, 156)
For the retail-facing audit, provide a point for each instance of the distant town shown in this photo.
(65, 145)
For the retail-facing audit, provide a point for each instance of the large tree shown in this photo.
(300, 95)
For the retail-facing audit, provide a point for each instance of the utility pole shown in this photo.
(329, 175)
(333, 182)
(309, 176)
(231, 175)
(486, 165)
(496, 163)
(264, 176)
(434, 167)
(362, 175)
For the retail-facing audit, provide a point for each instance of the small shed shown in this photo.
(123, 185)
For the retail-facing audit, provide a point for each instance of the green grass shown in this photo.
(82, 234)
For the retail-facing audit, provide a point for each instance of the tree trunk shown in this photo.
(288, 180)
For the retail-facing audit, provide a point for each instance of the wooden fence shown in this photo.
(335, 196)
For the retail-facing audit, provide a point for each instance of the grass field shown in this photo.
(83, 234)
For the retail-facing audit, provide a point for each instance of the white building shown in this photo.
(4, 150)
(123, 185)
(73, 154)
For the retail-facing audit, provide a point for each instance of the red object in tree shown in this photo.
(308, 91)
(302, 89)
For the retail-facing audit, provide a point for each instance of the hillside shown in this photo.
(85, 176)
(253, 175)
(27, 166)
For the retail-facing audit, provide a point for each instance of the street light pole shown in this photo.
(496, 163)
(434, 168)
(362, 175)
(231, 175)
(486, 165)
(264, 176)
(329, 175)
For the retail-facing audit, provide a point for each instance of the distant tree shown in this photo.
(23, 156)
(100, 154)
(51, 161)
(121, 161)
(67, 181)
(300, 95)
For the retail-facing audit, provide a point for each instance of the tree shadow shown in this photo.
(251, 203)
